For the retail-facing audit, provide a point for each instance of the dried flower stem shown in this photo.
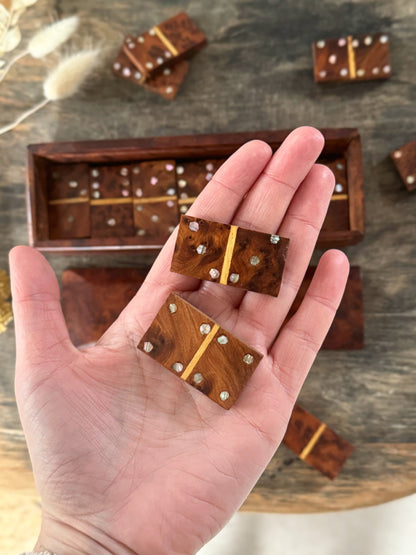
(5, 71)
(65, 80)
(46, 40)
(23, 116)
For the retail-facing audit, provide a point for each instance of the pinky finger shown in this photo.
(300, 339)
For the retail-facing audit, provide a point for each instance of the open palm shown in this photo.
(126, 457)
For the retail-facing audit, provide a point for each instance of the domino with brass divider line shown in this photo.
(199, 351)
(230, 255)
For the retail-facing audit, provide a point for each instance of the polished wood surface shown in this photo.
(198, 350)
(348, 58)
(315, 443)
(230, 255)
(255, 73)
(404, 158)
(164, 45)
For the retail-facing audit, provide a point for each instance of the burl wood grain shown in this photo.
(89, 292)
(194, 175)
(69, 221)
(124, 67)
(112, 220)
(67, 181)
(323, 449)
(147, 53)
(211, 240)
(404, 159)
(352, 58)
(184, 34)
(155, 221)
(154, 178)
(150, 53)
(92, 299)
(168, 82)
(257, 259)
(182, 337)
(165, 82)
(347, 329)
(109, 182)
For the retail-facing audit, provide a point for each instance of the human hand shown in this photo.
(126, 457)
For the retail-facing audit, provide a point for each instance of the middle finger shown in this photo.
(266, 203)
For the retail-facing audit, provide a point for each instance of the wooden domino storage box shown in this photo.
(90, 196)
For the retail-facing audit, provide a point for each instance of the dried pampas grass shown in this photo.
(65, 80)
(51, 37)
(69, 76)
(46, 41)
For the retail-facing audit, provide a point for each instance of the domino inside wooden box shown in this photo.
(101, 196)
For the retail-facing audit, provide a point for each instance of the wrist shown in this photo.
(63, 538)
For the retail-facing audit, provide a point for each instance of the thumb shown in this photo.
(42, 339)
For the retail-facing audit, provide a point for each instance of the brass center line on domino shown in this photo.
(69, 200)
(103, 201)
(312, 442)
(165, 41)
(153, 199)
(201, 350)
(187, 200)
(228, 254)
(351, 58)
(339, 197)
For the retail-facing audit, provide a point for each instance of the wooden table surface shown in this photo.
(256, 73)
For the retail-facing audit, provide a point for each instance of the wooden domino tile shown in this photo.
(192, 177)
(68, 181)
(404, 159)
(166, 83)
(155, 200)
(197, 350)
(315, 443)
(347, 329)
(155, 221)
(111, 201)
(337, 216)
(69, 220)
(124, 67)
(164, 44)
(339, 169)
(230, 255)
(153, 178)
(352, 58)
(68, 201)
(93, 298)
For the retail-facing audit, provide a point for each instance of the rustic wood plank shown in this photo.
(289, 486)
